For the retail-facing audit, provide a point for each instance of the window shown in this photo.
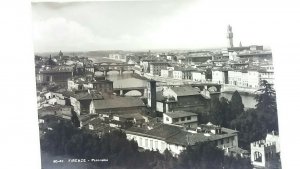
(146, 143)
(156, 145)
(162, 145)
(182, 118)
(167, 118)
(151, 144)
(189, 118)
(257, 156)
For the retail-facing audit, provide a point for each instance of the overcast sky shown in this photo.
(143, 25)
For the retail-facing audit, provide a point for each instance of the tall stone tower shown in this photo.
(230, 36)
(60, 54)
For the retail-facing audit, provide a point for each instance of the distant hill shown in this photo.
(99, 53)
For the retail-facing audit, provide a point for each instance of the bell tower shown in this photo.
(230, 36)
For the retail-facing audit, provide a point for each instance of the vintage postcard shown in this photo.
(153, 84)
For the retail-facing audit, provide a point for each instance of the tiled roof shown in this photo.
(131, 115)
(177, 114)
(237, 150)
(118, 102)
(97, 122)
(88, 96)
(178, 68)
(185, 90)
(85, 119)
(53, 108)
(57, 70)
(177, 135)
(162, 131)
(68, 93)
(159, 63)
(102, 81)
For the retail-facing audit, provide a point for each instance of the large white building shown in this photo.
(177, 74)
(198, 76)
(267, 73)
(118, 57)
(218, 76)
(156, 67)
(168, 72)
(244, 78)
(175, 138)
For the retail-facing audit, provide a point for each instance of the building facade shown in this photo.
(218, 76)
(267, 73)
(175, 138)
(156, 67)
(198, 76)
(183, 118)
(182, 98)
(57, 75)
(82, 99)
(266, 153)
(244, 78)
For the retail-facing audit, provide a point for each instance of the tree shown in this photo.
(216, 116)
(266, 100)
(254, 124)
(75, 119)
(250, 126)
(202, 155)
(220, 112)
(225, 110)
(236, 106)
(266, 105)
(236, 163)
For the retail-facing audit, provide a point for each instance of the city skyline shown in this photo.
(146, 25)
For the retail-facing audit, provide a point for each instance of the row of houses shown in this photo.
(240, 75)
(245, 77)
(100, 84)
(183, 73)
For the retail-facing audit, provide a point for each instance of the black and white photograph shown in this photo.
(155, 85)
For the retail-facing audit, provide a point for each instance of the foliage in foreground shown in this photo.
(65, 139)
(252, 124)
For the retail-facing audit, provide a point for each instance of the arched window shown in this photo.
(257, 156)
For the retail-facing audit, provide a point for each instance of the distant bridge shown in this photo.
(113, 66)
(212, 87)
(122, 91)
